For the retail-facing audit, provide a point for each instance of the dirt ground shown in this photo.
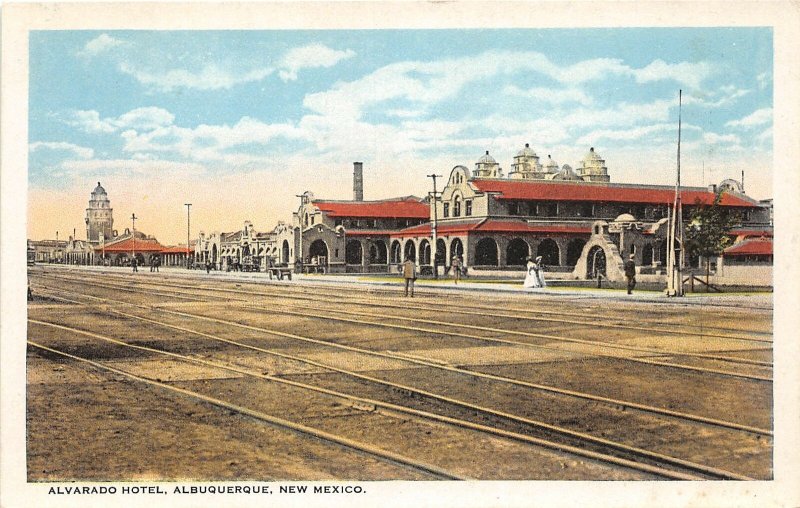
(86, 424)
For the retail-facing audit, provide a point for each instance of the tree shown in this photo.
(708, 230)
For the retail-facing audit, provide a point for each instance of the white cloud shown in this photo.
(727, 94)
(550, 95)
(714, 138)
(210, 77)
(145, 118)
(626, 134)
(309, 57)
(758, 117)
(61, 146)
(99, 44)
(687, 73)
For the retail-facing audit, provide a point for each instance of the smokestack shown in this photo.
(358, 181)
(742, 181)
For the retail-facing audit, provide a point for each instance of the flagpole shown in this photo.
(675, 257)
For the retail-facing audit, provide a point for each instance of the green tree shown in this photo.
(708, 229)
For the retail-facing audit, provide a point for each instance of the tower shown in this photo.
(99, 216)
(593, 168)
(358, 181)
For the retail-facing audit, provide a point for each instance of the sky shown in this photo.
(239, 123)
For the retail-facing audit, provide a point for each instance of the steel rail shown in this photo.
(557, 338)
(707, 470)
(367, 404)
(419, 361)
(258, 415)
(337, 293)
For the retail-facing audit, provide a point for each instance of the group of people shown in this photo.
(534, 278)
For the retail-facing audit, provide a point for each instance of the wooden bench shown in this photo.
(280, 272)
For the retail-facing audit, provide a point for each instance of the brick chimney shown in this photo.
(358, 181)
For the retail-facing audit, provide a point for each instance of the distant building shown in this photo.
(99, 217)
(48, 251)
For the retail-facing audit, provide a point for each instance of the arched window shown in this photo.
(424, 252)
(548, 249)
(486, 252)
(410, 251)
(352, 252)
(456, 206)
(516, 252)
(377, 253)
(396, 249)
(306, 220)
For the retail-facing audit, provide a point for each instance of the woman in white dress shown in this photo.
(532, 276)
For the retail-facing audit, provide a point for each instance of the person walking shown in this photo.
(456, 267)
(409, 275)
(134, 264)
(208, 266)
(158, 262)
(534, 278)
(630, 273)
(152, 263)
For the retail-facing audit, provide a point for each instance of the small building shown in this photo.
(352, 235)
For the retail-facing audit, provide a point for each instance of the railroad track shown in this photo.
(641, 460)
(400, 357)
(299, 291)
(446, 328)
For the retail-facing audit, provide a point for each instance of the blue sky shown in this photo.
(242, 121)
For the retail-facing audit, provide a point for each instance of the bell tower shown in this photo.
(99, 216)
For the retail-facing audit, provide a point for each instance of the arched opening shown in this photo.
(574, 250)
(377, 253)
(456, 250)
(246, 250)
(486, 252)
(139, 259)
(396, 250)
(410, 251)
(548, 249)
(516, 252)
(285, 252)
(424, 252)
(214, 253)
(318, 250)
(647, 255)
(456, 206)
(662, 253)
(596, 262)
(441, 250)
(352, 252)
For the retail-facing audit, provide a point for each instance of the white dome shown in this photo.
(487, 159)
(526, 152)
(625, 217)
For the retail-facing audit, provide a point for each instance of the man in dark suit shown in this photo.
(630, 273)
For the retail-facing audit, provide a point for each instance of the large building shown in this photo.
(352, 235)
(580, 223)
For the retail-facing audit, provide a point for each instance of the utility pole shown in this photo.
(299, 255)
(435, 248)
(675, 236)
(133, 219)
(188, 223)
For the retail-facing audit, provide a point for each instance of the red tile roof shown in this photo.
(752, 232)
(495, 226)
(399, 208)
(753, 247)
(175, 249)
(142, 245)
(567, 191)
(370, 232)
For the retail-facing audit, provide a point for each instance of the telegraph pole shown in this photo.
(435, 248)
(133, 219)
(188, 223)
(300, 240)
(675, 236)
